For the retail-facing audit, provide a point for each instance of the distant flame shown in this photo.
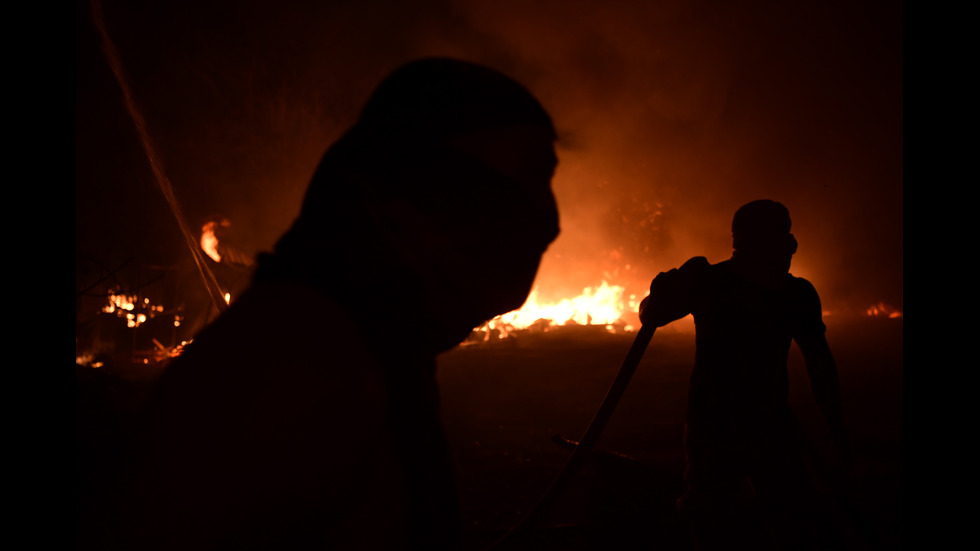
(209, 241)
(883, 310)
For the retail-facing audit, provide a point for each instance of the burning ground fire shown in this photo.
(605, 307)
(600, 306)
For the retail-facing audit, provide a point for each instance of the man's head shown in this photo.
(761, 233)
(446, 174)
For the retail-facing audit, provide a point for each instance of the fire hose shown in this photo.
(591, 436)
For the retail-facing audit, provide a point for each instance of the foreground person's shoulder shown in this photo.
(283, 351)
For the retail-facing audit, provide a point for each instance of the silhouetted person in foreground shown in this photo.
(741, 436)
(307, 415)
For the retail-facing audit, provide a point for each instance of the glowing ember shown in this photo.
(88, 360)
(119, 302)
(603, 305)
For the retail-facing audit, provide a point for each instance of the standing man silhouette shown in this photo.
(747, 311)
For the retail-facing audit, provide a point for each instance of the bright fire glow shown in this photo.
(603, 305)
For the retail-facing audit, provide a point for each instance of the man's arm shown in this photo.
(825, 385)
(671, 293)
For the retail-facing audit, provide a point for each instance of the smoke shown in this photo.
(637, 90)
(671, 115)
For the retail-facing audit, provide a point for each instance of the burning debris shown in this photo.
(128, 327)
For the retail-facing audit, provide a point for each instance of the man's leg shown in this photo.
(717, 503)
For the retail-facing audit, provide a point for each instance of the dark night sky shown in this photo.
(672, 114)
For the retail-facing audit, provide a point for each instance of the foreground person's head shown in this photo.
(440, 196)
(761, 235)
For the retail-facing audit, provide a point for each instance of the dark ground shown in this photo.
(503, 403)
